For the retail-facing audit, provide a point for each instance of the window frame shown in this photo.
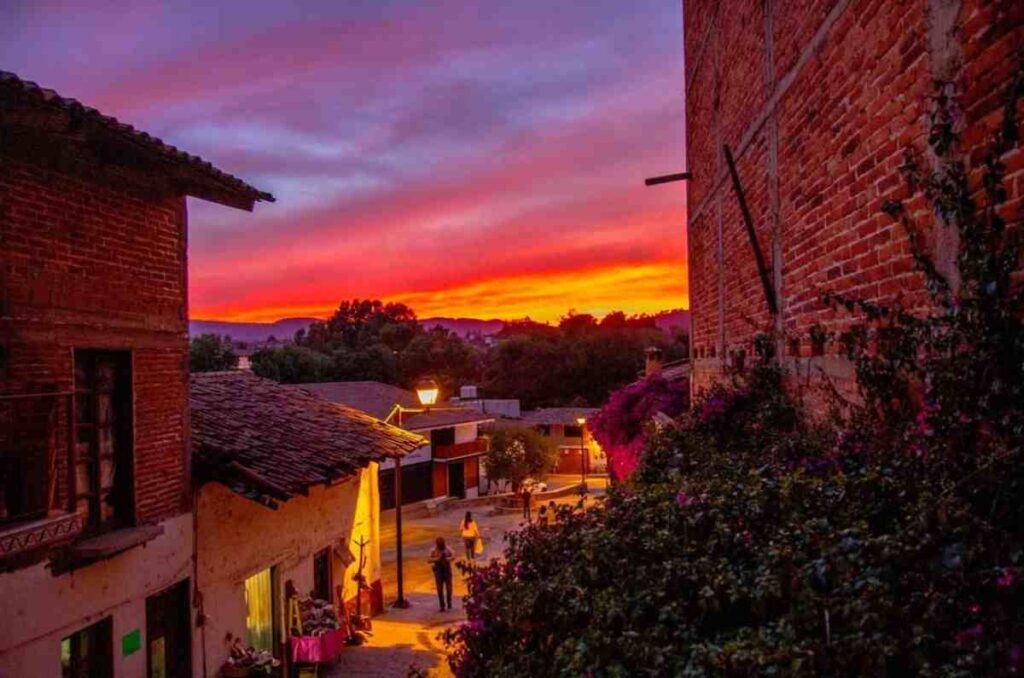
(88, 363)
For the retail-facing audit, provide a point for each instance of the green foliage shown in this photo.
(519, 452)
(292, 365)
(580, 362)
(211, 353)
(886, 541)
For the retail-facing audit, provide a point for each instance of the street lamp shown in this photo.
(427, 391)
(582, 421)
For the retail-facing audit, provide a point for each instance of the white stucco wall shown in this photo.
(417, 456)
(238, 538)
(39, 610)
(465, 433)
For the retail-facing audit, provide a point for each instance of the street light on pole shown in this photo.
(427, 391)
(582, 421)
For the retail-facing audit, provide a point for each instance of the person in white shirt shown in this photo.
(470, 533)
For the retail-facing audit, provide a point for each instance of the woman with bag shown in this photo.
(470, 534)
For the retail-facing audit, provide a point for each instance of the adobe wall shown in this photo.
(238, 538)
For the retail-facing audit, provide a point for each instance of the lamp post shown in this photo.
(582, 421)
(427, 391)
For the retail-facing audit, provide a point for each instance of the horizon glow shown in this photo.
(468, 162)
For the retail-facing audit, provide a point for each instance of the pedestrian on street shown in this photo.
(542, 515)
(470, 533)
(552, 512)
(526, 503)
(440, 560)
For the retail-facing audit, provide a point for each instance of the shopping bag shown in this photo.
(478, 547)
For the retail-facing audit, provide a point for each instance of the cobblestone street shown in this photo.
(408, 638)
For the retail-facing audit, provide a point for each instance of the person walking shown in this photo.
(526, 503)
(542, 515)
(440, 560)
(470, 533)
(552, 514)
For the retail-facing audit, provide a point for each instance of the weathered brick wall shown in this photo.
(818, 99)
(86, 263)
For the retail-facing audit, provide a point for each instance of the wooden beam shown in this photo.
(667, 178)
(762, 269)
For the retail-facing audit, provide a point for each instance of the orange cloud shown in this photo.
(640, 288)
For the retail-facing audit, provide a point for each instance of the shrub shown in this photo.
(621, 425)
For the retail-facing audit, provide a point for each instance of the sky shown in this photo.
(475, 158)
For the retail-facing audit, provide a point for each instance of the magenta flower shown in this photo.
(1008, 578)
(684, 499)
(974, 633)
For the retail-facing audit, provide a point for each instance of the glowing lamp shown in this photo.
(427, 391)
(581, 420)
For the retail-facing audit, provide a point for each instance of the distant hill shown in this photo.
(464, 326)
(250, 332)
(286, 328)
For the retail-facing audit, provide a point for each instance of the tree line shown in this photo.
(579, 361)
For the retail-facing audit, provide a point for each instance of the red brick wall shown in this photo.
(818, 100)
(85, 265)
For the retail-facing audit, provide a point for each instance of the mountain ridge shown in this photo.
(285, 328)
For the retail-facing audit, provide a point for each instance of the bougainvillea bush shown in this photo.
(622, 424)
(887, 540)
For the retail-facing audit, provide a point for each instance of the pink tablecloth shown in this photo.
(318, 649)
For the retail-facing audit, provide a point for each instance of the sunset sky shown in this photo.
(469, 158)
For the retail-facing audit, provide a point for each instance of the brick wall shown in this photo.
(86, 263)
(818, 100)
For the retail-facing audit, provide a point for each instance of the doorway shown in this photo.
(169, 645)
(456, 480)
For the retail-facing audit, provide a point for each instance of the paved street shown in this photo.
(405, 638)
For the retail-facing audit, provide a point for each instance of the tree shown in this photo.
(211, 353)
(293, 365)
(361, 323)
(519, 452)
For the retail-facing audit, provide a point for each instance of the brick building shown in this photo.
(818, 101)
(95, 521)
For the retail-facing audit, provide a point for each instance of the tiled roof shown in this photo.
(19, 96)
(271, 442)
(442, 418)
(378, 399)
(373, 397)
(553, 416)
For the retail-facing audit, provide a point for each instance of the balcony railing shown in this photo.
(459, 450)
(35, 453)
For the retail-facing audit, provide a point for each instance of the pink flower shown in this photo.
(1008, 578)
(684, 499)
(975, 609)
(974, 633)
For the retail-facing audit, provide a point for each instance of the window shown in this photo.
(103, 439)
(89, 653)
(322, 574)
(573, 432)
(442, 436)
(259, 610)
(544, 429)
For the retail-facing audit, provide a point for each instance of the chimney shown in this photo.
(654, 361)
